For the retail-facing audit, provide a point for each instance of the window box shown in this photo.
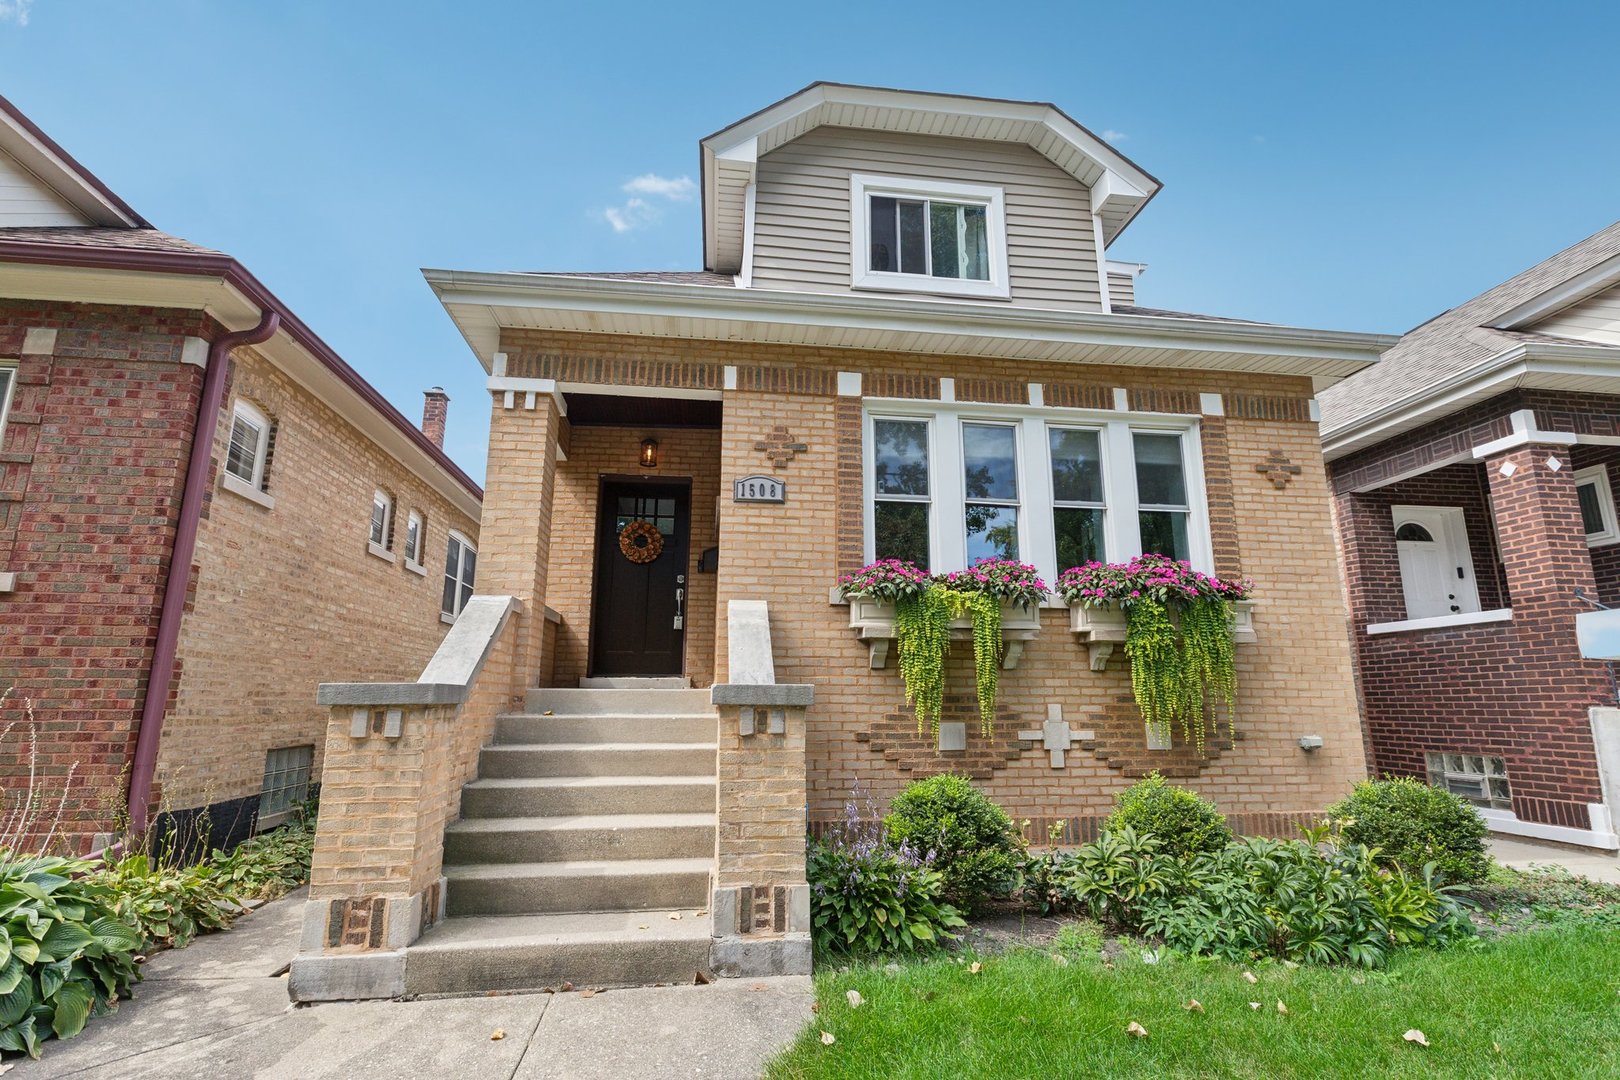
(874, 622)
(1102, 630)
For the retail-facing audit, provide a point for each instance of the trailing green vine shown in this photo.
(922, 625)
(985, 611)
(1178, 636)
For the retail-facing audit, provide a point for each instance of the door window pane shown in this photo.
(992, 532)
(1076, 466)
(900, 530)
(1159, 478)
(1079, 536)
(990, 461)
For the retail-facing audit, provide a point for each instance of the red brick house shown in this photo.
(1473, 472)
(204, 512)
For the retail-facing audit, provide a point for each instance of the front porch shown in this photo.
(1469, 551)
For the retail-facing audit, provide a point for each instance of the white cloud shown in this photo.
(637, 212)
(677, 188)
(15, 11)
(1114, 136)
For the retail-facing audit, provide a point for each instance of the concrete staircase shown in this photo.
(591, 822)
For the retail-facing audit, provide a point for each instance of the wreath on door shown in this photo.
(641, 542)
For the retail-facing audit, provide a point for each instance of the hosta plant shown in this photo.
(64, 955)
(272, 863)
(168, 905)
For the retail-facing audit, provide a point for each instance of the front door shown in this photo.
(639, 603)
(1437, 567)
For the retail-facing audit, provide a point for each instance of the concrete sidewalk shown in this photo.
(1589, 862)
(219, 1008)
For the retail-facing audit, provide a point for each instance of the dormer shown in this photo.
(850, 189)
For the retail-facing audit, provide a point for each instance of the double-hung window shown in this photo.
(951, 483)
(927, 236)
(382, 524)
(460, 567)
(414, 541)
(247, 454)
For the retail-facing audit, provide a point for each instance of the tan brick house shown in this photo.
(893, 284)
(1473, 474)
(204, 512)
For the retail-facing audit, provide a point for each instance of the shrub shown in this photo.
(1411, 824)
(870, 894)
(1183, 823)
(975, 847)
(64, 953)
(168, 905)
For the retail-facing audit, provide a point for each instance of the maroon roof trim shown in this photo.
(71, 162)
(234, 273)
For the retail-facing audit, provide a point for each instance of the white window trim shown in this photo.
(947, 535)
(382, 550)
(253, 414)
(862, 186)
(415, 566)
(466, 545)
(6, 396)
(1610, 533)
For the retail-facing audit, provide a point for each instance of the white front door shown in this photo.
(1437, 568)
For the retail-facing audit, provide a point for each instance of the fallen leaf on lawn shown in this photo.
(855, 999)
(700, 914)
(1136, 1029)
(1150, 956)
(1254, 1004)
(1060, 960)
(815, 1006)
(1496, 1048)
(1023, 1019)
(546, 713)
(1358, 980)
(675, 915)
(643, 926)
(1413, 1035)
(1281, 1008)
(827, 1038)
(497, 1035)
(975, 967)
(566, 987)
(1248, 976)
(587, 993)
(1194, 1005)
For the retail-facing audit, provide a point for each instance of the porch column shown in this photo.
(1546, 559)
(515, 532)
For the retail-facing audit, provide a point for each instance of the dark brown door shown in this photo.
(640, 597)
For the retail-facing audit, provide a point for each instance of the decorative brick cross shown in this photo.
(1278, 469)
(779, 446)
(1056, 735)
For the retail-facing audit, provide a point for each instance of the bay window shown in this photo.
(950, 483)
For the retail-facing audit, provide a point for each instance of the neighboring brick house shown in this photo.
(1473, 473)
(171, 601)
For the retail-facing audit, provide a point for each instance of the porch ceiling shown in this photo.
(614, 410)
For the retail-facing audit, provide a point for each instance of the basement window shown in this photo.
(1481, 780)
(286, 783)
(927, 236)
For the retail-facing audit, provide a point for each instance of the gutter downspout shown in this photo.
(161, 677)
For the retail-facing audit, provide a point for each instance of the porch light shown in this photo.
(649, 453)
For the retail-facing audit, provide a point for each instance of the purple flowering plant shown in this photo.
(1169, 582)
(887, 580)
(891, 580)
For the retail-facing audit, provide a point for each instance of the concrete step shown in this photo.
(583, 836)
(510, 760)
(533, 952)
(656, 886)
(533, 729)
(566, 701)
(634, 682)
(552, 796)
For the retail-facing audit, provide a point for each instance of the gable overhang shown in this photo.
(485, 305)
(37, 152)
(729, 158)
(226, 292)
(1589, 369)
(1567, 293)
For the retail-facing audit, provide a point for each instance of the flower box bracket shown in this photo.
(873, 622)
(1102, 630)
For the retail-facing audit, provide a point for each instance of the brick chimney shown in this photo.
(435, 407)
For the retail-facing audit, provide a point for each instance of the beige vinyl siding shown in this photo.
(27, 203)
(1597, 318)
(1122, 289)
(801, 211)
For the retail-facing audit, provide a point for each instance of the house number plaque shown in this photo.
(759, 489)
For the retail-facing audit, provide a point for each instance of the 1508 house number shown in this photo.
(759, 489)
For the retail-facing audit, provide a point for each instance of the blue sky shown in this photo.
(1346, 166)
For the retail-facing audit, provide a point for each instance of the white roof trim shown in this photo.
(1120, 188)
(1126, 269)
(1536, 365)
(60, 176)
(482, 304)
(1563, 295)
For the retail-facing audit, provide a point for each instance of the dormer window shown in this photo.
(927, 236)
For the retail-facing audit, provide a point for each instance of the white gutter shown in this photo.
(1345, 352)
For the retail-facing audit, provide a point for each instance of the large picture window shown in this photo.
(951, 483)
(927, 236)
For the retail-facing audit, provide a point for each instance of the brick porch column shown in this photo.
(1553, 769)
(515, 532)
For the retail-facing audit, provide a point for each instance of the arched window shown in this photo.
(1411, 530)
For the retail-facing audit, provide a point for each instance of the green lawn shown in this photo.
(1539, 1003)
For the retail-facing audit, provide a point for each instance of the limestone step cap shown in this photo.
(595, 869)
(504, 931)
(568, 822)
